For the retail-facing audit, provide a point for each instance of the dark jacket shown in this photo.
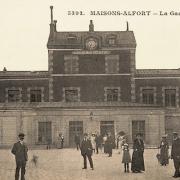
(138, 145)
(98, 140)
(175, 151)
(77, 139)
(86, 147)
(20, 152)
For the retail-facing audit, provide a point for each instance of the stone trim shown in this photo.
(74, 58)
(71, 88)
(13, 88)
(51, 89)
(35, 88)
(177, 94)
(50, 59)
(111, 58)
(154, 93)
(105, 93)
(132, 70)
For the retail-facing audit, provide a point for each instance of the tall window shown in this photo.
(111, 64)
(71, 95)
(138, 127)
(148, 96)
(44, 132)
(112, 94)
(14, 95)
(71, 65)
(35, 95)
(170, 97)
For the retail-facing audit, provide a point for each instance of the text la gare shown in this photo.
(171, 13)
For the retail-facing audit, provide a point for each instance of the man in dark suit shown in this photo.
(98, 141)
(77, 141)
(175, 154)
(109, 143)
(86, 151)
(20, 151)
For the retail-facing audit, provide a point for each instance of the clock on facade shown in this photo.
(91, 44)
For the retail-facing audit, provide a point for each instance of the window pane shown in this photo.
(112, 63)
(71, 95)
(112, 94)
(13, 95)
(35, 96)
(170, 97)
(71, 64)
(148, 96)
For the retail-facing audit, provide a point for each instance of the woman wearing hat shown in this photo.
(137, 157)
(164, 147)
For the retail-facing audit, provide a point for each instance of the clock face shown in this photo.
(91, 44)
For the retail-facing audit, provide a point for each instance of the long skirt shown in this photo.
(137, 161)
(164, 159)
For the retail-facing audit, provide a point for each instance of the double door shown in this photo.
(75, 128)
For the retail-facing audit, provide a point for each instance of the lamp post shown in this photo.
(91, 115)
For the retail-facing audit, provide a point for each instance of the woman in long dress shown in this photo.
(164, 146)
(137, 157)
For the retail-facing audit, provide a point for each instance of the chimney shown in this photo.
(4, 69)
(127, 24)
(51, 8)
(52, 25)
(91, 26)
(55, 22)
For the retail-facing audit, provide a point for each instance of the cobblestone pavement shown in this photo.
(66, 164)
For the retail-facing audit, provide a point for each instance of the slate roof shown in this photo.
(60, 39)
(23, 74)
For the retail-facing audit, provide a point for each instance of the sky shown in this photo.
(24, 30)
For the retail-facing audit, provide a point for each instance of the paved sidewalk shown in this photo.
(66, 164)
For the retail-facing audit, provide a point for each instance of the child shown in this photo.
(126, 159)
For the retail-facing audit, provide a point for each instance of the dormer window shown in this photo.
(71, 38)
(111, 40)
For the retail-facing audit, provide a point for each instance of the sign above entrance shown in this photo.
(91, 52)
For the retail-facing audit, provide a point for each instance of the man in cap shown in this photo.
(86, 151)
(20, 151)
(175, 154)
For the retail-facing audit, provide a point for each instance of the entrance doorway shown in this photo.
(107, 126)
(44, 133)
(75, 127)
(138, 127)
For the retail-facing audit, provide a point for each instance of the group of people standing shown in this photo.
(104, 143)
(137, 161)
(175, 153)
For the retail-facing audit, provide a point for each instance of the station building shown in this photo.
(91, 85)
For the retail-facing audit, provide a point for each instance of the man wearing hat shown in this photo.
(175, 154)
(86, 151)
(20, 151)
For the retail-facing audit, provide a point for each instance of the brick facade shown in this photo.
(88, 64)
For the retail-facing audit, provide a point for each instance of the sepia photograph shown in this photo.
(90, 90)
